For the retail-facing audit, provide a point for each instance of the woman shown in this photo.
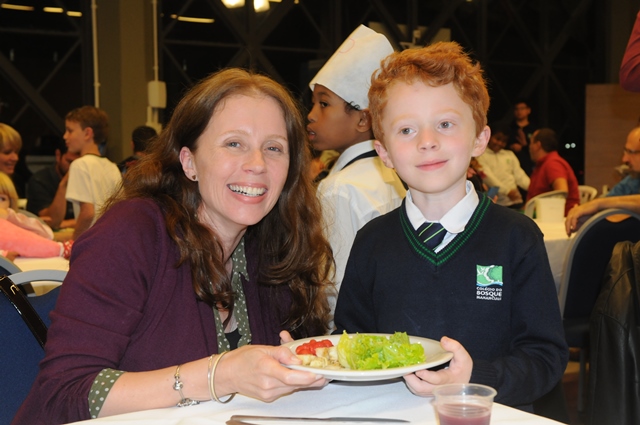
(159, 283)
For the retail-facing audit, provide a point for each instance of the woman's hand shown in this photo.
(422, 382)
(257, 371)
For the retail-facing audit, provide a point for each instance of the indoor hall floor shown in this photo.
(570, 386)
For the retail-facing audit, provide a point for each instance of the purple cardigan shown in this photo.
(124, 305)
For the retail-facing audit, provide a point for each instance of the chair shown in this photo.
(21, 353)
(587, 193)
(530, 206)
(7, 266)
(584, 269)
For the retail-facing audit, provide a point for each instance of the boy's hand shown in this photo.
(285, 337)
(422, 382)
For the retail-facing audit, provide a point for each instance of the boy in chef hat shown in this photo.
(359, 187)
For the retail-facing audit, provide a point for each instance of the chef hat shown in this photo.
(348, 72)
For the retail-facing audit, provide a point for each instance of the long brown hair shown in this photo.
(290, 243)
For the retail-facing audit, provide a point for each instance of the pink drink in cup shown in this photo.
(463, 404)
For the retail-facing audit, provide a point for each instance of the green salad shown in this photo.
(367, 352)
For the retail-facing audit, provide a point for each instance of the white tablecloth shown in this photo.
(53, 263)
(557, 243)
(389, 399)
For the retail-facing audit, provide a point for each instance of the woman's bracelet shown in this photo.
(209, 380)
(212, 375)
(177, 385)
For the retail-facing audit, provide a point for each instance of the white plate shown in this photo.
(434, 355)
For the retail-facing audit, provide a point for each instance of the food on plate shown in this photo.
(321, 354)
(367, 352)
(361, 352)
(311, 346)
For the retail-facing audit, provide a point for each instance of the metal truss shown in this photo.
(543, 50)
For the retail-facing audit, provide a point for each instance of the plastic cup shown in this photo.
(463, 404)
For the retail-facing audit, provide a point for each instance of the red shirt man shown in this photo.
(551, 171)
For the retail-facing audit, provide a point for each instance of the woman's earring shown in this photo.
(193, 177)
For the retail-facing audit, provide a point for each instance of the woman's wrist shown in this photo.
(211, 376)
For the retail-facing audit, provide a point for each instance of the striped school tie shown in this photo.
(431, 234)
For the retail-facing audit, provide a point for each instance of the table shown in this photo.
(386, 399)
(52, 263)
(557, 243)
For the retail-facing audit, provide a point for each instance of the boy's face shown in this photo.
(498, 141)
(330, 125)
(75, 136)
(430, 137)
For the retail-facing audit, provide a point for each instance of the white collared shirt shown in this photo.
(354, 195)
(454, 221)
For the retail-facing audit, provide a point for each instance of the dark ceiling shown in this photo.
(542, 50)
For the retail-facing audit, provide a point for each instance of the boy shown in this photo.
(487, 283)
(520, 133)
(502, 169)
(359, 187)
(92, 178)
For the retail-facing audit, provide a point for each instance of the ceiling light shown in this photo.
(192, 19)
(261, 5)
(74, 14)
(53, 9)
(258, 5)
(16, 7)
(231, 4)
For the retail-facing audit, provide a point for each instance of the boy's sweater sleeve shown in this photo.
(539, 353)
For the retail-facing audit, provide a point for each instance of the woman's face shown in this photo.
(8, 159)
(240, 164)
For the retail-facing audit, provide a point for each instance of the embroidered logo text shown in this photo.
(489, 283)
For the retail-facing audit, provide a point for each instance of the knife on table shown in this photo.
(235, 419)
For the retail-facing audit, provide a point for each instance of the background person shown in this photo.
(46, 194)
(551, 171)
(92, 178)
(21, 235)
(143, 306)
(140, 138)
(358, 187)
(502, 169)
(484, 287)
(630, 184)
(520, 132)
(630, 68)
(10, 145)
(580, 213)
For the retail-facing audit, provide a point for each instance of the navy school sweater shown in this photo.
(490, 288)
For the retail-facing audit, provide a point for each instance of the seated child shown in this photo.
(485, 290)
(26, 236)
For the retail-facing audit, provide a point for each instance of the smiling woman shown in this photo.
(213, 244)
(241, 164)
